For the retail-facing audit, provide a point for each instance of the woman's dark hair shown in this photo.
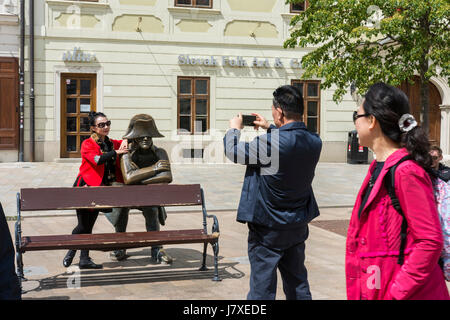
(92, 116)
(290, 100)
(387, 104)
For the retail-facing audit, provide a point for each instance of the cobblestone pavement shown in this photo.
(138, 278)
(335, 184)
(335, 187)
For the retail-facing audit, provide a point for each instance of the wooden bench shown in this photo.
(132, 196)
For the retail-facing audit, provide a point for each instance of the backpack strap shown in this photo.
(389, 182)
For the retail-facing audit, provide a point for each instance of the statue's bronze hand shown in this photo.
(133, 166)
(162, 165)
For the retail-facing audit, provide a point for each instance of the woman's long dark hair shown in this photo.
(387, 104)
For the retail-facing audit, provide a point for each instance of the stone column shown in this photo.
(445, 131)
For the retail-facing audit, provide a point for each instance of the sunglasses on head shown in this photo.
(104, 124)
(356, 115)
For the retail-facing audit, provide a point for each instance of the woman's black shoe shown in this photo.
(89, 264)
(67, 261)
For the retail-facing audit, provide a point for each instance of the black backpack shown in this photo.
(389, 182)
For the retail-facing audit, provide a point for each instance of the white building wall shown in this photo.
(9, 28)
(9, 48)
(138, 70)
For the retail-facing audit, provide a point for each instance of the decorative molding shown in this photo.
(288, 15)
(78, 13)
(444, 90)
(194, 11)
(9, 19)
(250, 28)
(64, 3)
(190, 25)
(142, 23)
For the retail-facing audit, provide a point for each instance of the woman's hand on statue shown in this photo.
(124, 143)
(123, 147)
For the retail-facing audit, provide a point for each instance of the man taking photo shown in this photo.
(277, 205)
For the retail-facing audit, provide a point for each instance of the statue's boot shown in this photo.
(118, 255)
(159, 255)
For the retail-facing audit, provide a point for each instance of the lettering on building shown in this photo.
(237, 62)
(77, 55)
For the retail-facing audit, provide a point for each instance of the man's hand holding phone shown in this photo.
(255, 120)
(260, 122)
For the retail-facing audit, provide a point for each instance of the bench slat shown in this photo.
(127, 196)
(108, 236)
(111, 241)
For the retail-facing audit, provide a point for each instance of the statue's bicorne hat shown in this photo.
(143, 127)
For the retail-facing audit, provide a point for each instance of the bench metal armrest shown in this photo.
(215, 227)
(18, 226)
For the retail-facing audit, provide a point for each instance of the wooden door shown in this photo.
(434, 113)
(9, 104)
(78, 98)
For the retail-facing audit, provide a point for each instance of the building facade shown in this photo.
(9, 80)
(191, 64)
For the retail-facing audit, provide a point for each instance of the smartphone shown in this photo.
(247, 120)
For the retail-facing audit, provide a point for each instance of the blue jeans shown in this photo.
(269, 250)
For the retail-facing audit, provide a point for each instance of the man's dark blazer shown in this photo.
(443, 172)
(277, 191)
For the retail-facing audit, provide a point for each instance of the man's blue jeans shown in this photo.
(269, 250)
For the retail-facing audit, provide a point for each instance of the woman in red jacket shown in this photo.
(100, 166)
(373, 267)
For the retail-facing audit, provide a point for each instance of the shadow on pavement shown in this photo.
(132, 271)
(49, 298)
(337, 226)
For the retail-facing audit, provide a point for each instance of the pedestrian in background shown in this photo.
(277, 204)
(373, 270)
(441, 170)
(100, 166)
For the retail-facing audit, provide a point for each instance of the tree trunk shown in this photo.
(425, 97)
(424, 86)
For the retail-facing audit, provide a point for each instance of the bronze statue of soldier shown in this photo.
(143, 164)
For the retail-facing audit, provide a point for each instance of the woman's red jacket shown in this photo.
(91, 172)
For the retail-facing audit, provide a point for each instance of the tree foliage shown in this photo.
(348, 44)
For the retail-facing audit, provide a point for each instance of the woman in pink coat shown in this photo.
(373, 270)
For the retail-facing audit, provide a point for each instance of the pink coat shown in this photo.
(373, 240)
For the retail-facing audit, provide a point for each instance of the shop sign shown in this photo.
(238, 62)
(78, 56)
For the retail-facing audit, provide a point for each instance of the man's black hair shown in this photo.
(290, 100)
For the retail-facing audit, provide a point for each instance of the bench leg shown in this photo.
(20, 275)
(18, 235)
(215, 246)
(203, 267)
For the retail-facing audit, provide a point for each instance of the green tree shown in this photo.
(363, 42)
